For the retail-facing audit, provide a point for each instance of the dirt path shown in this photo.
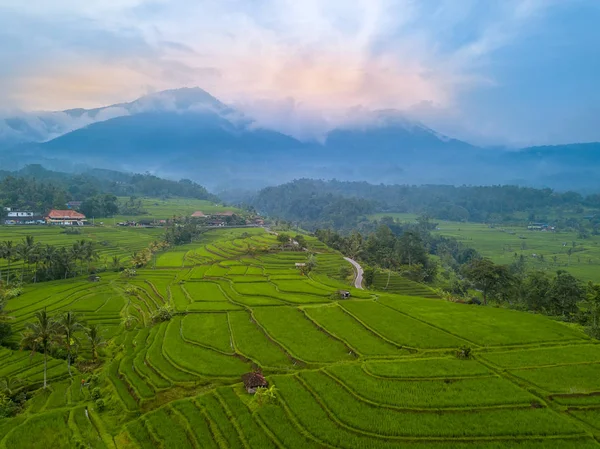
(359, 272)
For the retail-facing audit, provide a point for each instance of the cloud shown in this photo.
(294, 65)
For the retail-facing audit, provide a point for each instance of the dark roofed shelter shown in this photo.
(254, 380)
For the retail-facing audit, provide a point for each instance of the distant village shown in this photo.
(71, 217)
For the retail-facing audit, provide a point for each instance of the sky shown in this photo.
(493, 72)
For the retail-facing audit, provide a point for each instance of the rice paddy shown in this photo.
(377, 370)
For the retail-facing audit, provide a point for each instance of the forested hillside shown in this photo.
(317, 203)
(38, 189)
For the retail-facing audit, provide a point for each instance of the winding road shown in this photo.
(359, 272)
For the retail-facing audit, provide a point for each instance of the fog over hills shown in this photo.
(189, 133)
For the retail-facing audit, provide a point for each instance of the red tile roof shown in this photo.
(65, 215)
(198, 214)
(253, 380)
(227, 213)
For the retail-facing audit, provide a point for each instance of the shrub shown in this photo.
(163, 313)
(129, 273)
(7, 406)
(464, 352)
(100, 405)
(96, 394)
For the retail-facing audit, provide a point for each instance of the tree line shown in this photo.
(343, 205)
(37, 189)
(60, 336)
(43, 262)
(459, 271)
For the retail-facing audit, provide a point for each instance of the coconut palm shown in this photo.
(70, 323)
(8, 253)
(116, 263)
(9, 385)
(25, 251)
(94, 336)
(41, 335)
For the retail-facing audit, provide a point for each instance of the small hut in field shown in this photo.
(254, 380)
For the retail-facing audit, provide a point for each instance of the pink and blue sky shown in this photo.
(512, 72)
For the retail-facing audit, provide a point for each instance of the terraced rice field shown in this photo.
(392, 282)
(378, 370)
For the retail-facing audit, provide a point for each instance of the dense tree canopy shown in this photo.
(37, 189)
(341, 205)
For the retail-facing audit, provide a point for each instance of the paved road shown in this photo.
(359, 272)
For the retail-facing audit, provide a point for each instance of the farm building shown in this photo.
(65, 217)
(540, 227)
(344, 294)
(254, 380)
(300, 264)
(227, 213)
(198, 214)
(22, 217)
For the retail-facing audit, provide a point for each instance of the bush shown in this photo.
(161, 314)
(96, 394)
(100, 405)
(7, 406)
(129, 273)
(464, 352)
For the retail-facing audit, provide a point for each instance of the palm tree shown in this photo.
(25, 251)
(94, 335)
(70, 323)
(8, 253)
(48, 256)
(41, 335)
(9, 385)
(116, 263)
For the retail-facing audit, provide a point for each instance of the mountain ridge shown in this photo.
(188, 132)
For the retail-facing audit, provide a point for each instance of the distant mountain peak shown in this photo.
(182, 99)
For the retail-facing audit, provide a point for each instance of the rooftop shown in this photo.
(65, 214)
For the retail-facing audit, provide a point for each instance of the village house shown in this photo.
(198, 214)
(14, 217)
(65, 217)
(253, 381)
(227, 213)
(540, 227)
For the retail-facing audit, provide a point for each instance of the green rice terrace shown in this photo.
(389, 368)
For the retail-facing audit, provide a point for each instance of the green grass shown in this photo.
(434, 367)
(342, 379)
(544, 356)
(207, 329)
(400, 328)
(157, 208)
(168, 428)
(346, 328)
(486, 326)
(204, 291)
(502, 242)
(197, 422)
(46, 430)
(196, 359)
(442, 393)
(252, 342)
(296, 333)
(567, 379)
(369, 418)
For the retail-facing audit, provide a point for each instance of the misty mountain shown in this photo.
(47, 125)
(388, 133)
(189, 133)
